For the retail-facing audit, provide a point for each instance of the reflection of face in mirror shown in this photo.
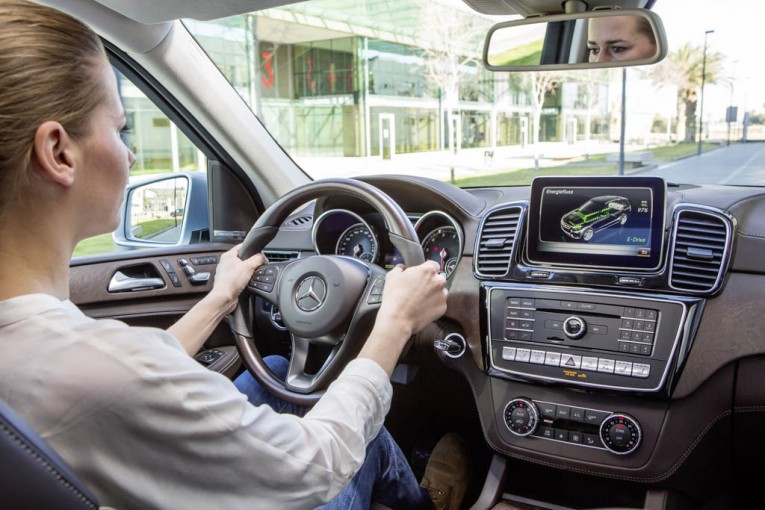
(620, 38)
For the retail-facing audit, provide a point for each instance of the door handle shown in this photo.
(121, 282)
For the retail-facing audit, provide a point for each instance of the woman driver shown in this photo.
(618, 38)
(140, 421)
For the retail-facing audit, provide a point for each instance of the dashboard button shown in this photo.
(527, 303)
(575, 436)
(547, 432)
(629, 312)
(525, 335)
(538, 357)
(598, 330)
(511, 334)
(552, 359)
(606, 366)
(589, 363)
(595, 417)
(514, 302)
(508, 353)
(577, 414)
(561, 435)
(563, 412)
(586, 306)
(546, 409)
(623, 368)
(624, 347)
(641, 370)
(570, 361)
(592, 440)
(645, 349)
(523, 355)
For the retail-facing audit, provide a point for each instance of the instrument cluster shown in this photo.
(343, 232)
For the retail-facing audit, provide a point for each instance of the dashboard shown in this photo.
(639, 366)
(602, 324)
(343, 232)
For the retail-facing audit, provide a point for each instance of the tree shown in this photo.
(452, 39)
(541, 84)
(683, 69)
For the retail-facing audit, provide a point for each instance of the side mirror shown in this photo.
(587, 40)
(169, 209)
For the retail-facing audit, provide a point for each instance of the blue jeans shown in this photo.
(385, 477)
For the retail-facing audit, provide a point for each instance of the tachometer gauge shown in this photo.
(358, 242)
(443, 246)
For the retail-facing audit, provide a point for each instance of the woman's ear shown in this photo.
(53, 154)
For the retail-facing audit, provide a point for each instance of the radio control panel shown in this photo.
(585, 338)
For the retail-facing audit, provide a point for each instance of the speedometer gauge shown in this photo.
(358, 242)
(443, 246)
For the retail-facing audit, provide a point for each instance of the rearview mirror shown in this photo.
(607, 38)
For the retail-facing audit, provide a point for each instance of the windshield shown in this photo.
(350, 87)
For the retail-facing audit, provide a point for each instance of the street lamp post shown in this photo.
(703, 79)
(732, 112)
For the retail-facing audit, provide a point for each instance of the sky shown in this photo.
(739, 34)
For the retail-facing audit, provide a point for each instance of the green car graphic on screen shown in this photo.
(595, 215)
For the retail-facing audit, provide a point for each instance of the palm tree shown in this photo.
(683, 69)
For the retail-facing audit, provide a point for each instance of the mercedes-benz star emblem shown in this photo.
(311, 293)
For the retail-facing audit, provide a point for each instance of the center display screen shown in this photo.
(603, 222)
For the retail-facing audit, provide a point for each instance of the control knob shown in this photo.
(620, 433)
(521, 416)
(574, 327)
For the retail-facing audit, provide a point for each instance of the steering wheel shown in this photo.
(326, 301)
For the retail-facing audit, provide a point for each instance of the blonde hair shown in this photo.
(48, 63)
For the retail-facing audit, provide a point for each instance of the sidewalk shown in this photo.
(440, 164)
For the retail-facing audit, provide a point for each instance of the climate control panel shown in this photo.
(616, 432)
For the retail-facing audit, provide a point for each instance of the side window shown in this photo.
(165, 202)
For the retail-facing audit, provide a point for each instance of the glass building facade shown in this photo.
(329, 87)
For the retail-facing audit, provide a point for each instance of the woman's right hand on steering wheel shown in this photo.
(412, 298)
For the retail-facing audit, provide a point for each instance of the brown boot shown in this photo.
(446, 473)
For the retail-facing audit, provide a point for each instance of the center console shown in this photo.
(596, 339)
(591, 294)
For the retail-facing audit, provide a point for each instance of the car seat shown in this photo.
(33, 475)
